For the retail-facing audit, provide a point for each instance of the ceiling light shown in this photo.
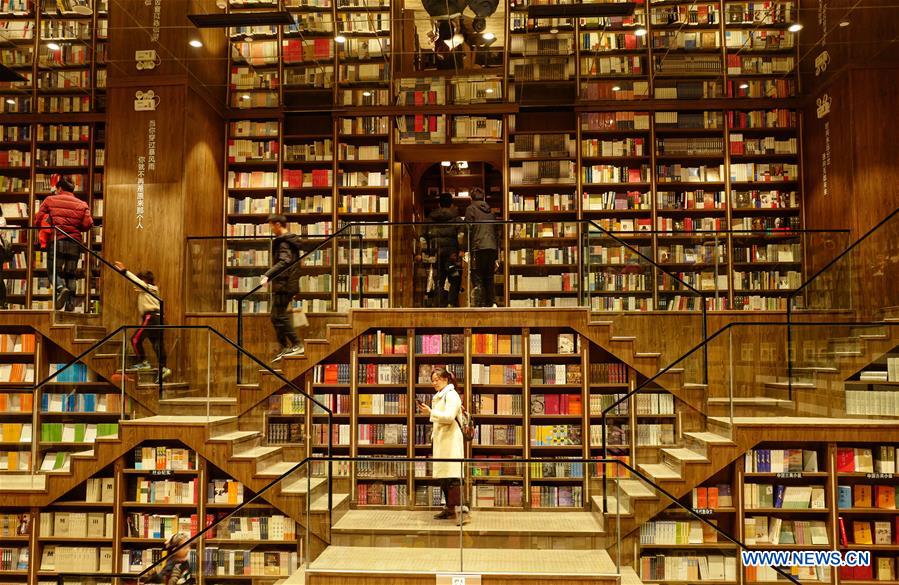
(195, 43)
(10, 101)
(340, 39)
(844, 23)
(366, 93)
(248, 39)
(446, 163)
(488, 90)
(744, 86)
(488, 36)
(616, 88)
(245, 97)
(640, 32)
(553, 31)
(463, 164)
(53, 46)
(795, 27)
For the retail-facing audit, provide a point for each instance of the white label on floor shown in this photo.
(449, 579)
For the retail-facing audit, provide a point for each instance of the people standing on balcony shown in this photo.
(61, 209)
(483, 246)
(285, 278)
(150, 320)
(448, 442)
(445, 239)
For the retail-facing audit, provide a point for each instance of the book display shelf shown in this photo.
(62, 55)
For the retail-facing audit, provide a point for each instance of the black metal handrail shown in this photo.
(60, 577)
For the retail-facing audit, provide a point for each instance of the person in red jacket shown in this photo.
(72, 215)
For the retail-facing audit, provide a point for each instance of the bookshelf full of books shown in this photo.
(17, 376)
(363, 197)
(254, 75)
(363, 35)
(331, 384)
(541, 55)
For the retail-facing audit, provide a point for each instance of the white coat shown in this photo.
(446, 435)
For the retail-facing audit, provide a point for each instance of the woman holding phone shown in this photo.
(448, 442)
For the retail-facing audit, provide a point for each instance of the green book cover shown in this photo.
(80, 429)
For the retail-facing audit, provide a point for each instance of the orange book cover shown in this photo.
(702, 497)
(17, 373)
(232, 492)
(861, 533)
(862, 496)
(886, 497)
(713, 498)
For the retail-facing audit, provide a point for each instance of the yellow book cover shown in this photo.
(861, 533)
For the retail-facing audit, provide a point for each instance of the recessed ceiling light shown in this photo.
(616, 88)
(844, 23)
(53, 46)
(446, 163)
(795, 27)
(195, 43)
(488, 90)
(640, 32)
(245, 97)
(248, 39)
(340, 39)
(366, 93)
(10, 101)
(553, 31)
(744, 86)
(488, 36)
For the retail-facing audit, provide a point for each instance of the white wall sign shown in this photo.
(157, 18)
(823, 104)
(458, 579)
(145, 163)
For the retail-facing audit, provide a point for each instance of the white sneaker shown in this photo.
(142, 366)
(295, 350)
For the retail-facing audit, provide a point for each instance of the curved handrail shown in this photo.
(311, 459)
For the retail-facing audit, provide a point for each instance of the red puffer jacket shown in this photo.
(66, 212)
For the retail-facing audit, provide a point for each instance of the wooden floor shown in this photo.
(341, 559)
(482, 522)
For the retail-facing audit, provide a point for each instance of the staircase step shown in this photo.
(685, 455)
(277, 469)
(659, 471)
(636, 489)
(629, 576)
(298, 487)
(622, 338)
(647, 354)
(195, 400)
(711, 438)
(612, 503)
(257, 452)
(751, 401)
(25, 482)
(320, 504)
(173, 419)
(235, 436)
(786, 385)
(694, 386)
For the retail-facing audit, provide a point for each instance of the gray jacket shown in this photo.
(484, 236)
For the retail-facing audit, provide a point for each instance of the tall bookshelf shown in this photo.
(364, 57)
(18, 359)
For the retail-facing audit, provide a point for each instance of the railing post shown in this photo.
(705, 346)
(605, 455)
(239, 340)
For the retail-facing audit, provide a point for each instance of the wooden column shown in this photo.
(182, 177)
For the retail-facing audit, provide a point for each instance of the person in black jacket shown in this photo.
(284, 276)
(483, 246)
(445, 239)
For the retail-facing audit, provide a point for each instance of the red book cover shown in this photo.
(419, 123)
(634, 176)
(322, 48)
(845, 460)
(843, 539)
(552, 403)
(630, 41)
(418, 98)
(432, 97)
(432, 123)
(230, 156)
(847, 573)
(563, 404)
(864, 573)
(194, 527)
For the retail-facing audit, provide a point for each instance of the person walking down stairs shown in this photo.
(285, 278)
(148, 307)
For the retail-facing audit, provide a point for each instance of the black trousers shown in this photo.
(287, 337)
(154, 335)
(64, 264)
(452, 492)
(484, 269)
(447, 269)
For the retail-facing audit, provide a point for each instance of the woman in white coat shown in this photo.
(446, 436)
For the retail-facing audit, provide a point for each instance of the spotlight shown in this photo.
(446, 163)
(195, 43)
(640, 32)
(553, 31)
(10, 101)
(53, 46)
(844, 23)
(616, 88)
(340, 39)
(488, 90)
(245, 97)
(744, 86)
(366, 93)
(488, 36)
(463, 164)
(795, 27)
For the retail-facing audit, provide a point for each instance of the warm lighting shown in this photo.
(245, 97)
(616, 88)
(454, 42)
(11, 101)
(340, 39)
(795, 27)
(463, 164)
(844, 23)
(53, 46)
(553, 31)
(446, 163)
(640, 32)
(488, 36)
(488, 90)
(366, 93)
(195, 43)
(744, 86)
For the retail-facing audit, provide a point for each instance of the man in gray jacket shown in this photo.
(483, 245)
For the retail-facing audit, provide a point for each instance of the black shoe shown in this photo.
(62, 298)
(444, 514)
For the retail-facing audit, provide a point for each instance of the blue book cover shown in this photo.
(844, 497)
(90, 402)
(778, 496)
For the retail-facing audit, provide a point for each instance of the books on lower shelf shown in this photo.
(17, 343)
(772, 530)
(496, 496)
(553, 374)
(340, 434)
(284, 433)
(655, 434)
(500, 374)
(384, 343)
(77, 524)
(161, 526)
(15, 525)
(262, 528)
(382, 374)
(879, 401)
(791, 497)
(710, 567)
(766, 574)
(56, 461)
(19, 372)
(556, 435)
(557, 469)
(223, 491)
(712, 497)
(135, 561)
(502, 435)
(383, 434)
(882, 497)
(877, 532)
(77, 432)
(383, 404)
(614, 373)
(75, 373)
(331, 374)
(147, 491)
(882, 568)
(226, 562)
(14, 559)
(382, 494)
(81, 403)
(15, 432)
(677, 532)
(76, 559)
(550, 496)
(652, 403)
(556, 404)
(287, 403)
(781, 461)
